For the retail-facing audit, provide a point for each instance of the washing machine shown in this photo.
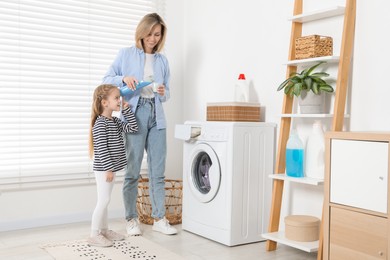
(226, 188)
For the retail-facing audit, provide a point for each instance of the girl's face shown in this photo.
(152, 39)
(113, 101)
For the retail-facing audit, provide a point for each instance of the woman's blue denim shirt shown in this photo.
(130, 62)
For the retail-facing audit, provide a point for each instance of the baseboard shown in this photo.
(53, 220)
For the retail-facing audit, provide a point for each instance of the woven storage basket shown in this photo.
(233, 111)
(173, 201)
(313, 46)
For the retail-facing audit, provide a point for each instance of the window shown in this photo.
(52, 56)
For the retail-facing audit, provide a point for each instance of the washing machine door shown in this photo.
(205, 174)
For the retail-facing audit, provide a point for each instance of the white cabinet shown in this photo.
(356, 218)
(359, 174)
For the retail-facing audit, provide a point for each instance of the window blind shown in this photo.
(53, 54)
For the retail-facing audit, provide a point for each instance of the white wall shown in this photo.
(30, 207)
(209, 43)
(370, 108)
(224, 38)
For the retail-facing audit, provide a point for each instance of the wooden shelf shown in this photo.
(344, 64)
(327, 59)
(304, 180)
(311, 115)
(318, 15)
(281, 238)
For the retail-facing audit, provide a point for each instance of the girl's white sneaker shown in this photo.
(113, 236)
(100, 241)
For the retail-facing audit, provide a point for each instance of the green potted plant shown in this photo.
(308, 86)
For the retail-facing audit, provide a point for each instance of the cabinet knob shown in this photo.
(380, 253)
(381, 178)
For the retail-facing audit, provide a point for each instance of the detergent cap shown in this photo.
(241, 76)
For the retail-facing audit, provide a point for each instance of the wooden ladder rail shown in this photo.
(285, 123)
(339, 109)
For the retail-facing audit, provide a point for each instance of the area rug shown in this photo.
(131, 248)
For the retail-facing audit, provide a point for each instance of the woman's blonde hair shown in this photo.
(101, 93)
(145, 27)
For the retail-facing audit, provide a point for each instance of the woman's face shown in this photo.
(152, 39)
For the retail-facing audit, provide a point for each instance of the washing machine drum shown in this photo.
(205, 174)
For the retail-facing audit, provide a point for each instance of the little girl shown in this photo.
(106, 143)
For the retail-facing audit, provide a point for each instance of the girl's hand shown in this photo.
(124, 103)
(161, 90)
(109, 176)
(131, 82)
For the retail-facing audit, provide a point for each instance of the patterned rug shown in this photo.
(131, 248)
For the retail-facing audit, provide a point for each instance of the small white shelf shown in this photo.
(318, 15)
(305, 180)
(281, 238)
(327, 59)
(311, 115)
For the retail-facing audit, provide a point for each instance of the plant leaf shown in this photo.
(284, 83)
(297, 89)
(318, 80)
(309, 70)
(296, 79)
(315, 88)
(308, 83)
(326, 88)
(288, 90)
(320, 74)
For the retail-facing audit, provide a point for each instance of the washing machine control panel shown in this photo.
(213, 133)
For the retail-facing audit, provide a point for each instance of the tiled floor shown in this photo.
(24, 244)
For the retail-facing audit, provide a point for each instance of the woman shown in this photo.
(143, 62)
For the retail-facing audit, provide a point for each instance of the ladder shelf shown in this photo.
(274, 235)
(304, 180)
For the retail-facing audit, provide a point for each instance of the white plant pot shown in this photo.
(310, 103)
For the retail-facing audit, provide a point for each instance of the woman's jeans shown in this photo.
(153, 141)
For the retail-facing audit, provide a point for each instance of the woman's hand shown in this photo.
(131, 82)
(161, 90)
(109, 176)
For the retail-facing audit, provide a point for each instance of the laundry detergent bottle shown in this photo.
(315, 152)
(294, 155)
(241, 89)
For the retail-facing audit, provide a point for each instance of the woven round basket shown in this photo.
(173, 201)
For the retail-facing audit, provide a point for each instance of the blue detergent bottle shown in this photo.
(127, 91)
(294, 155)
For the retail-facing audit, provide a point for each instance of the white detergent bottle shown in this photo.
(241, 89)
(315, 152)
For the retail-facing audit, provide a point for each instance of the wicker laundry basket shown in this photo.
(233, 111)
(173, 201)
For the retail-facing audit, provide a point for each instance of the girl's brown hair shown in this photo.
(101, 93)
(145, 27)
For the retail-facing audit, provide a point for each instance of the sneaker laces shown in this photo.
(101, 238)
(165, 222)
(110, 233)
(133, 222)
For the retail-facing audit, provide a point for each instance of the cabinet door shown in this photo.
(357, 236)
(359, 172)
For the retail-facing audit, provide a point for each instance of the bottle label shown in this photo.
(294, 162)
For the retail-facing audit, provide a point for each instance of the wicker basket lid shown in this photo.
(302, 220)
